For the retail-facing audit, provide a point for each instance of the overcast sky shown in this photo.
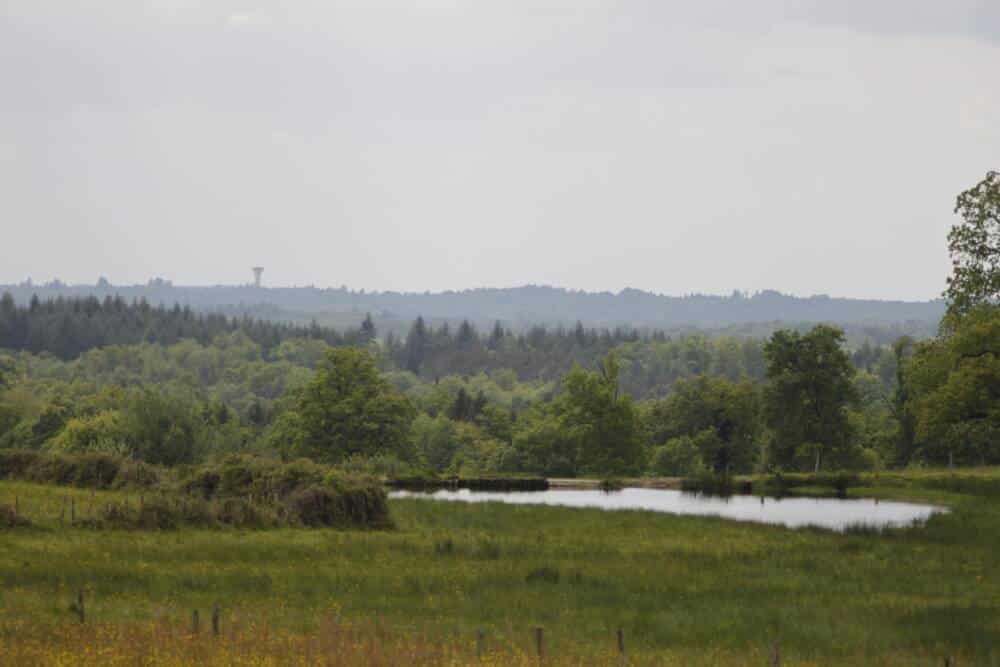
(805, 146)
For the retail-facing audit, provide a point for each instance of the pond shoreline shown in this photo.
(793, 511)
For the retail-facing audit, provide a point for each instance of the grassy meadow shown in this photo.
(684, 590)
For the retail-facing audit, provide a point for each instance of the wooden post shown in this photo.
(62, 511)
(215, 619)
(949, 662)
(775, 655)
(621, 642)
(195, 622)
(480, 643)
(79, 607)
(17, 509)
(540, 643)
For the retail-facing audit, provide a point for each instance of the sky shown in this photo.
(807, 146)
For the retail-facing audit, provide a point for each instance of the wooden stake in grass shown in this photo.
(480, 643)
(775, 655)
(621, 642)
(540, 643)
(17, 512)
(79, 607)
(215, 619)
(72, 510)
(195, 622)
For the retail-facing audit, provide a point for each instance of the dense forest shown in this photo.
(171, 386)
(519, 307)
(68, 327)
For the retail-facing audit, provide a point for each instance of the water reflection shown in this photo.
(833, 513)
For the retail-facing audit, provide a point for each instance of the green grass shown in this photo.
(671, 582)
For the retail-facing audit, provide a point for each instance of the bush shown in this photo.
(138, 475)
(14, 463)
(242, 514)
(608, 485)
(678, 457)
(91, 471)
(343, 507)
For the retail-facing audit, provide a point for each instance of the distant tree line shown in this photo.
(68, 327)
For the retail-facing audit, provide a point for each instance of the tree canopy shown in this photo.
(974, 246)
(808, 392)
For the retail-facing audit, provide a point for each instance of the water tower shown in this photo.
(257, 271)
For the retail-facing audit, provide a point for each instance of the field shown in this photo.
(683, 590)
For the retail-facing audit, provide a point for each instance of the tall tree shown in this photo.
(416, 346)
(955, 385)
(724, 414)
(809, 389)
(900, 404)
(974, 246)
(368, 332)
(348, 408)
(602, 421)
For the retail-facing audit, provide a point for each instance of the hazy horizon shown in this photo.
(362, 288)
(678, 148)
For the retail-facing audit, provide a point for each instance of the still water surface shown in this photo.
(833, 513)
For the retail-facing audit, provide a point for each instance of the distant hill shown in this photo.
(517, 306)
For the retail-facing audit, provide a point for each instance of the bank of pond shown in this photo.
(252, 492)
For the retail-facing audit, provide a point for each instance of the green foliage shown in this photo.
(955, 382)
(92, 471)
(974, 246)
(67, 328)
(103, 432)
(678, 457)
(349, 409)
(713, 422)
(809, 390)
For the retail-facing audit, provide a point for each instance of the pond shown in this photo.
(794, 512)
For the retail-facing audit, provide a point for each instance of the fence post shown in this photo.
(79, 607)
(540, 643)
(215, 619)
(72, 510)
(17, 509)
(480, 642)
(775, 655)
(621, 642)
(195, 622)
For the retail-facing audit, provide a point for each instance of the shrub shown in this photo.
(137, 474)
(313, 506)
(608, 485)
(14, 463)
(241, 513)
(344, 507)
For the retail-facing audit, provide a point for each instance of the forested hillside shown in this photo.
(171, 386)
(517, 307)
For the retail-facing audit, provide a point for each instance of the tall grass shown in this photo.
(685, 590)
